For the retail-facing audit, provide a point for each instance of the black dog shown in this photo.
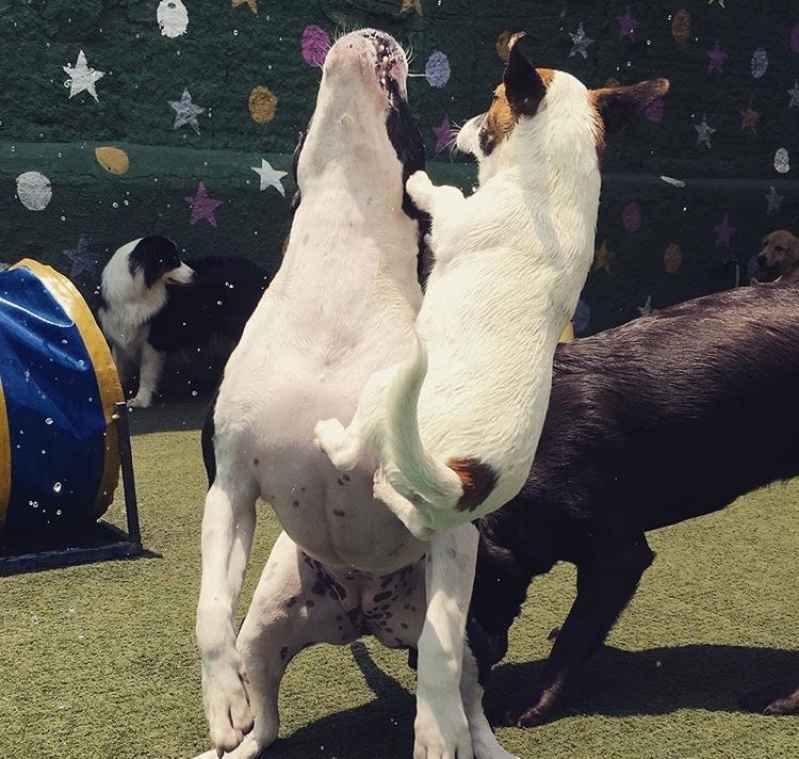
(651, 423)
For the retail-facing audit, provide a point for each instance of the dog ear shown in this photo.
(793, 247)
(619, 105)
(524, 87)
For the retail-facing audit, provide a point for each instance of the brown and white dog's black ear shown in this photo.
(524, 87)
(618, 106)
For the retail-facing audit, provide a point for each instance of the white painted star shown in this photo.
(81, 77)
(579, 43)
(270, 177)
(646, 309)
(794, 93)
(703, 132)
(774, 200)
(186, 112)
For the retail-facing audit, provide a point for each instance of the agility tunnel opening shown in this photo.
(63, 427)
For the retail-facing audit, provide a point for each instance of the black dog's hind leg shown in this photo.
(606, 581)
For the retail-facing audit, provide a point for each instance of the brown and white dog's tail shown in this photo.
(455, 484)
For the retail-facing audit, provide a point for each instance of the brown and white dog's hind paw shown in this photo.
(342, 448)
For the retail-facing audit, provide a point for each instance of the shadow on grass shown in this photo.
(171, 415)
(653, 682)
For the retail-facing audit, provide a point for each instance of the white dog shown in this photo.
(456, 438)
(342, 306)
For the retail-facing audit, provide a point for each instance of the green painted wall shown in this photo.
(734, 64)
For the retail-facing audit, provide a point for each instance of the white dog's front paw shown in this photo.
(340, 446)
(420, 188)
(141, 400)
(227, 705)
(442, 733)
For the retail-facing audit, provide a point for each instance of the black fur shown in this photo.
(154, 256)
(216, 305)
(660, 420)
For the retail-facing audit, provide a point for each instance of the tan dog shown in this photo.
(778, 259)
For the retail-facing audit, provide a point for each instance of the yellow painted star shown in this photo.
(253, 4)
(411, 4)
(602, 257)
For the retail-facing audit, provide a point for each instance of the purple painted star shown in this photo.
(444, 135)
(627, 25)
(203, 207)
(716, 57)
(724, 232)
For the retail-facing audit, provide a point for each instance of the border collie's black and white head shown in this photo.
(138, 273)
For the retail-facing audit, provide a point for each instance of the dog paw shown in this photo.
(340, 447)
(777, 699)
(420, 188)
(141, 400)
(442, 736)
(227, 705)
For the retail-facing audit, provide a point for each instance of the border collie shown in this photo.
(663, 419)
(155, 305)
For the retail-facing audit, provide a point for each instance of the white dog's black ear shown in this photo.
(618, 106)
(524, 87)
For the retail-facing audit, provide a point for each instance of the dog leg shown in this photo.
(778, 698)
(605, 584)
(296, 604)
(152, 362)
(227, 532)
(433, 199)
(345, 446)
(441, 727)
(484, 743)
(412, 517)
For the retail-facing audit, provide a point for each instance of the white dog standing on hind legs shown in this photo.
(455, 427)
(342, 306)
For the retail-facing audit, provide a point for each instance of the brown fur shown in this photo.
(478, 480)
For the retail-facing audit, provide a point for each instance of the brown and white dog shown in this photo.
(455, 427)
(342, 306)
(651, 423)
(778, 259)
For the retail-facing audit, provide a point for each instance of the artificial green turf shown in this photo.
(99, 661)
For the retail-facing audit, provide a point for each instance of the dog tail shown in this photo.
(461, 483)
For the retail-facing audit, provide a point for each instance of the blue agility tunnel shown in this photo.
(59, 459)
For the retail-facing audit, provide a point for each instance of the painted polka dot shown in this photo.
(759, 63)
(262, 105)
(34, 190)
(782, 161)
(672, 258)
(173, 18)
(437, 70)
(113, 160)
(315, 44)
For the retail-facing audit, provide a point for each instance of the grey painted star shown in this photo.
(646, 309)
(774, 200)
(82, 258)
(81, 77)
(794, 93)
(580, 43)
(270, 177)
(186, 112)
(703, 132)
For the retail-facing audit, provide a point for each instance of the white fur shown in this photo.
(342, 306)
(125, 319)
(510, 262)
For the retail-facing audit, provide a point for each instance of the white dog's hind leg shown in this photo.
(152, 362)
(484, 743)
(441, 727)
(345, 446)
(296, 604)
(227, 532)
